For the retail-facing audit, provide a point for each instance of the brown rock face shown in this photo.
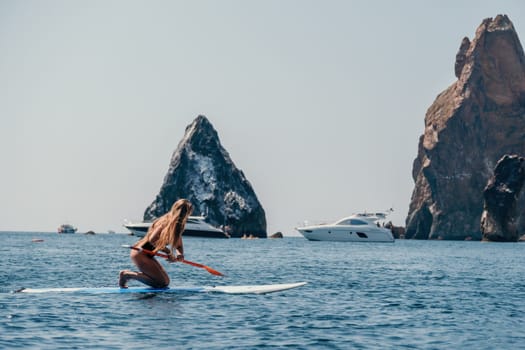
(468, 128)
(498, 221)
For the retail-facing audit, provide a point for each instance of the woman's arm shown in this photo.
(177, 245)
(166, 250)
(177, 254)
(180, 247)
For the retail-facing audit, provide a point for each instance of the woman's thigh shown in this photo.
(151, 267)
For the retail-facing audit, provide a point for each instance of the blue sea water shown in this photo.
(410, 294)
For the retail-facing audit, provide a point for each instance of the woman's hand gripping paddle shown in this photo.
(165, 256)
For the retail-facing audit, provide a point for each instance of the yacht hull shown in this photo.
(141, 232)
(339, 234)
(196, 229)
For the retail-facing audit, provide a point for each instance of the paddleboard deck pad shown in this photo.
(249, 289)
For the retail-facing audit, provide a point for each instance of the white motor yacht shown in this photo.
(195, 226)
(365, 227)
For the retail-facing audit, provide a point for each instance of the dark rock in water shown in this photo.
(90, 232)
(202, 172)
(498, 221)
(277, 235)
(397, 231)
(468, 128)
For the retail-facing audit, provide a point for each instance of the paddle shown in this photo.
(165, 256)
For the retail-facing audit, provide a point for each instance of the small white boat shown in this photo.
(365, 227)
(66, 228)
(195, 226)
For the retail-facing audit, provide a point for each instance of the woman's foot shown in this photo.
(123, 279)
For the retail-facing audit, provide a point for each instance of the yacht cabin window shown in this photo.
(352, 222)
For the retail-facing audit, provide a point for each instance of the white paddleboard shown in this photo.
(249, 289)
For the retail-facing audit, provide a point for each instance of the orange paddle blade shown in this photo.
(207, 268)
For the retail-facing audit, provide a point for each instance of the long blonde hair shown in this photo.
(173, 223)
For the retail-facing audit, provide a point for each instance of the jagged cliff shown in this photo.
(468, 128)
(498, 220)
(201, 171)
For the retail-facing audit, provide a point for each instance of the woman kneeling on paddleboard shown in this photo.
(166, 230)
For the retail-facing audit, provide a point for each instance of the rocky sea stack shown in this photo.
(201, 171)
(498, 221)
(468, 128)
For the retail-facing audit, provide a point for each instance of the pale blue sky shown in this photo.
(320, 103)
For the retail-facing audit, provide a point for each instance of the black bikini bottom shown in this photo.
(150, 247)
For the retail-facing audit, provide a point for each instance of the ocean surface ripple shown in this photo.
(410, 294)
